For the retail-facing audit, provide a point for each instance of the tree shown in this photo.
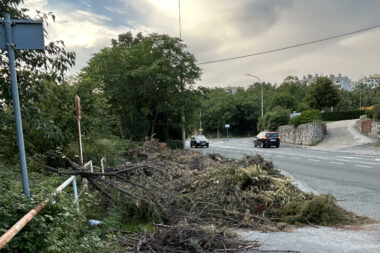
(284, 100)
(322, 93)
(38, 72)
(146, 80)
(272, 120)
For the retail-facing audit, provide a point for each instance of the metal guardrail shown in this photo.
(7, 236)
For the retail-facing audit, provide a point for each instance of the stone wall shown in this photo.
(305, 134)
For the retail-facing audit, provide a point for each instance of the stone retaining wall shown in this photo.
(305, 134)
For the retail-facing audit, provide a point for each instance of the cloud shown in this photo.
(216, 29)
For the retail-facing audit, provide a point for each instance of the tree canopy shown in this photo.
(146, 80)
(322, 93)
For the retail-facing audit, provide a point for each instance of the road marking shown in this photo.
(363, 166)
(343, 160)
(368, 163)
(314, 160)
(347, 157)
(297, 158)
(281, 156)
(336, 163)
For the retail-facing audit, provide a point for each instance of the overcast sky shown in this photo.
(217, 29)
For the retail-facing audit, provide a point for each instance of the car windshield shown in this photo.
(273, 135)
(200, 137)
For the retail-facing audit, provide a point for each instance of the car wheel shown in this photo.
(207, 146)
(278, 145)
(262, 145)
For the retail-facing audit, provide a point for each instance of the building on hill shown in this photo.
(371, 82)
(232, 89)
(343, 82)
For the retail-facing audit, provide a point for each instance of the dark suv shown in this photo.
(198, 141)
(267, 139)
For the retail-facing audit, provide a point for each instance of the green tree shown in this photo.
(273, 119)
(146, 80)
(284, 100)
(322, 93)
(37, 71)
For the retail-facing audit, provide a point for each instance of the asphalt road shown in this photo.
(352, 178)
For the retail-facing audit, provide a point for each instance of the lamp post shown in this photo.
(262, 94)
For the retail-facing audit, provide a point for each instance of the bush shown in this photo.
(369, 114)
(307, 116)
(112, 149)
(272, 120)
(174, 144)
(58, 227)
(334, 116)
(376, 112)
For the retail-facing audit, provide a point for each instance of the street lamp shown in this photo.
(262, 96)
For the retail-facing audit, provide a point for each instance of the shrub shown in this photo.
(58, 227)
(334, 116)
(272, 120)
(112, 149)
(369, 114)
(174, 144)
(376, 112)
(307, 116)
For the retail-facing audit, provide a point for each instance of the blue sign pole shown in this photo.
(16, 104)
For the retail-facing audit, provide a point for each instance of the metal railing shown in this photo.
(7, 236)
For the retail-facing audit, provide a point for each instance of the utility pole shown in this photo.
(183, 106)
(27, 35)
(262, 94)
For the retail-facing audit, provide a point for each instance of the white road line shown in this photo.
(281, 156)
(363, 166)
(343, 160)
(297, 158)
(314, 160)
(336, 163)
(368, 163)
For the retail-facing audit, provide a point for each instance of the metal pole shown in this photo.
(262, 93)
(7, 236)
(262, 101)
(183, 106)
(78, 114)
(75, 190)
(200, 121)
(16, 105)
(227, 133)
(179, 18)
(102, 165)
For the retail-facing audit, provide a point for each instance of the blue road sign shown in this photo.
(26, 34)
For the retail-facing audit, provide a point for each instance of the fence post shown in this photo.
(102, 165)
(75, 189)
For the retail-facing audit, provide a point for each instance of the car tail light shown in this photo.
(265, 138)
(279, 137)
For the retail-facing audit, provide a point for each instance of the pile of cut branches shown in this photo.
(185, 190)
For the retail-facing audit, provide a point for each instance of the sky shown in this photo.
(217, 29)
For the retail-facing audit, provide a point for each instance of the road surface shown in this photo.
(353, 179)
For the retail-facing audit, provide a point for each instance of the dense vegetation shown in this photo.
(242, 109)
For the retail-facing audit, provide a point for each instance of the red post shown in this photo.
(78, 115)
